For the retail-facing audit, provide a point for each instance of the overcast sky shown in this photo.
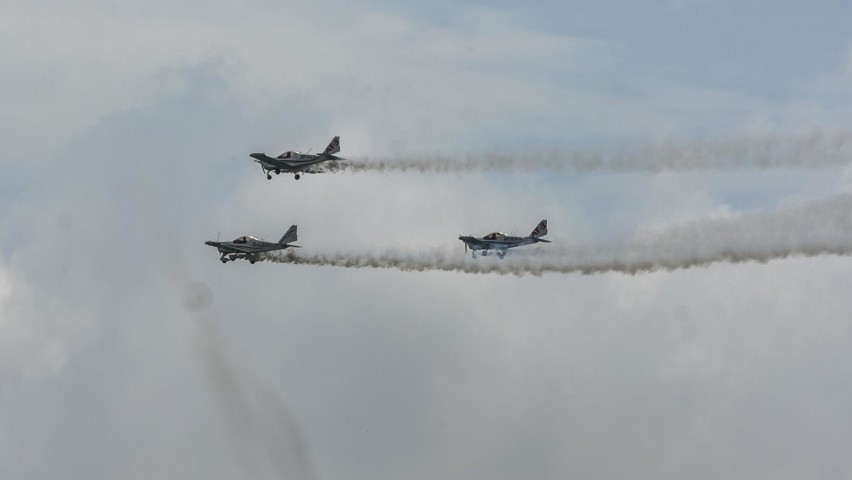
(127, 350)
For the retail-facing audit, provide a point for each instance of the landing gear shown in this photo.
(223, 259)
(486, 253)
(298, 176)
(268, 176)
(277, 171)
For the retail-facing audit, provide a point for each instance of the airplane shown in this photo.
(500, 242)
(249, 247)
(295, 162)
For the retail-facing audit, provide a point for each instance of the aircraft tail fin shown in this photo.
(332, 147)
(289, 237)
(540, 229)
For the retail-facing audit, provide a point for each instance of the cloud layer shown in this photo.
(129, 351)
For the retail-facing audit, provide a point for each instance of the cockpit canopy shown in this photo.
(287, 154)
(494, 236)
(244, 239)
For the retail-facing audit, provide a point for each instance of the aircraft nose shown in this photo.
(209, 242)
(256, 156)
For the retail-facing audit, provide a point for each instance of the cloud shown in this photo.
(483, 79)
(734, 371)
(27, 350)
(396, 64)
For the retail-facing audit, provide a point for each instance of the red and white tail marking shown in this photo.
(333, 147)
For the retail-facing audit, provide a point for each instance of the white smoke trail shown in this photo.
(818, 228)
(813, 150)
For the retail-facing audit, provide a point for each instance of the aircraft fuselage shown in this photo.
(252, 246)
(500, 242)
(505, 243)
(249, 250)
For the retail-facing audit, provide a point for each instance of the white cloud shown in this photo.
(28, 347)
(478, 78)
(76, 65)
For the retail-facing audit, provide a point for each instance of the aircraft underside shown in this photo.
(277, 171)
(226, 257)
(484, 252)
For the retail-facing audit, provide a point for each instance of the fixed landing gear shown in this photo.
(269, 171)
(485, 253)
(229, 257)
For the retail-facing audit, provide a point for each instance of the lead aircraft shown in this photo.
(500, 242)
(249, 247)
(295, 162)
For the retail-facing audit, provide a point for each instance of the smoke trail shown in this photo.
(817, 228)
(266, 440)
(814, 150)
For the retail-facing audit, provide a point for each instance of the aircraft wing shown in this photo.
(230, 248)
(473, 242)
(292, 165)
(276, 162)
(491, 244)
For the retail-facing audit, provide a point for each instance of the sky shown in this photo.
(127, 350)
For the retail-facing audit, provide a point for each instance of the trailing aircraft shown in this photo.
(296, 162)
(499, 243)
(249, 247)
